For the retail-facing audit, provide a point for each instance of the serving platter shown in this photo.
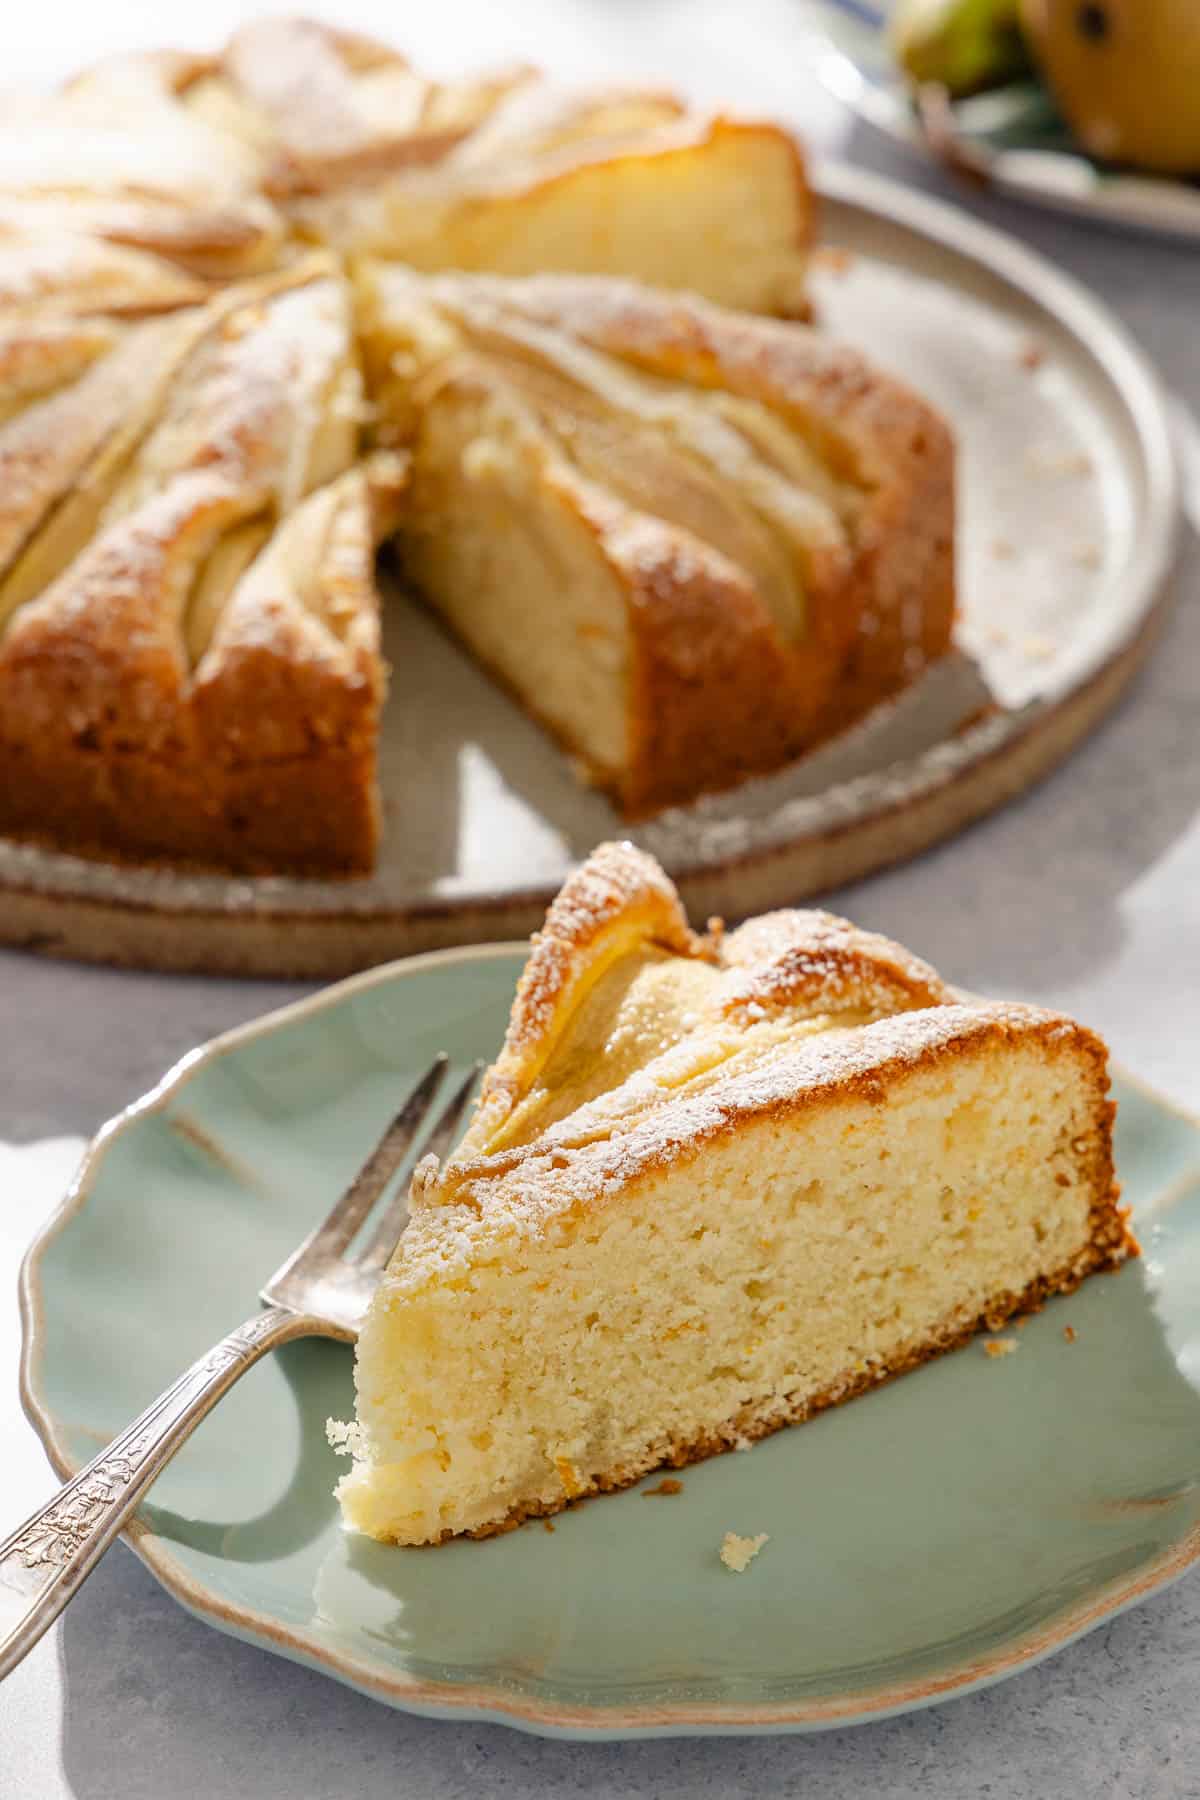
(1011, 138)
(1069, 510)
(931, 1537)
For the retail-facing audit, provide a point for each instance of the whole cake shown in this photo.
(691, 541)
(713, 1185)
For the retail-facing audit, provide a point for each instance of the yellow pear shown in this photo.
(1126, 75)
(963, 45)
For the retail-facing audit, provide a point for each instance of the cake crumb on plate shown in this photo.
(737, 1553)
(1070, 1333)
(667, 1486)
(1001, 1346)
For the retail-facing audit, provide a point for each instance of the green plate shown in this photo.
(930, 1538)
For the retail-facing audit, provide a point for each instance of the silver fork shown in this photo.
(322, 1290)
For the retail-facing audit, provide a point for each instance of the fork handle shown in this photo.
(46, 1560)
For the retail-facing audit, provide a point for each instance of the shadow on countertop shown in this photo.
(157, 1704)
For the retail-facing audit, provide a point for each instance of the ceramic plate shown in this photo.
(1012, 135)
(1069, 503)
(927, 1539)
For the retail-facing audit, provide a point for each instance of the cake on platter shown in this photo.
(692, 541)
(189, 658)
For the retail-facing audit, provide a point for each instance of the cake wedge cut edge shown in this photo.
(814, 1167)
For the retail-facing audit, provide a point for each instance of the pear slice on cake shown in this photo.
(713, 1185)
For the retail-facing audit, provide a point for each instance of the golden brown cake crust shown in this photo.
(115, 157)
(717, 688)
(142, 187)
(256, 748)
(571, 1169)
(811, 961)
(265, 758)
(901, 583)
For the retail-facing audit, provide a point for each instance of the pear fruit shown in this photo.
(962, 45)
(1126, 76)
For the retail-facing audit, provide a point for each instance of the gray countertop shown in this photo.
(1085, 895)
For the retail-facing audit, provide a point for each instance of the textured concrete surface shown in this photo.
(1086, 894)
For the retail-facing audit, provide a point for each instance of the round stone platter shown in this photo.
(1068, 512)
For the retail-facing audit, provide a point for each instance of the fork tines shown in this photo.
(333, 1237)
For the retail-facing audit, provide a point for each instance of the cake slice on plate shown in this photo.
(713, 1185)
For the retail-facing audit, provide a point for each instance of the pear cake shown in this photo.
(713, 1185)
(190, 652)
(215, 164)
(692, 541)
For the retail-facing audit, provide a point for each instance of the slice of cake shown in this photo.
(693, 543)
(189, 626)
(166, 162)
(114, 157)
(508, 171)
(713, 1185)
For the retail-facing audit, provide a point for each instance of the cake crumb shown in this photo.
(737, 1553)
(547, 1524)
(1070, 1333)
(345, 1437)
(668, 1485)
(1031, 355)
(1001, 1346)
(1037, 646)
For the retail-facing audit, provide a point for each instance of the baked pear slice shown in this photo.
(693, 543)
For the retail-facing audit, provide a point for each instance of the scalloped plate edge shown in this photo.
(476, 1702)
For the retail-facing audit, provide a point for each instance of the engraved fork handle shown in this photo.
(46, 1560)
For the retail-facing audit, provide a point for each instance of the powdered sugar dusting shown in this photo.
(786, 958)
(530, 1189)
(617, 884)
